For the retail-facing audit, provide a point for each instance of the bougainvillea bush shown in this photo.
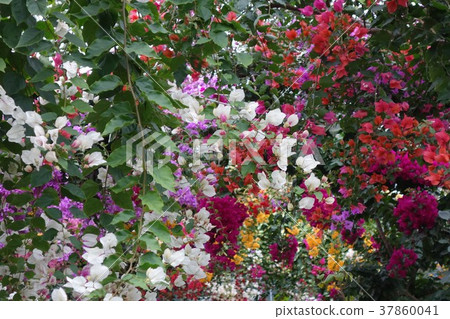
(224, 150)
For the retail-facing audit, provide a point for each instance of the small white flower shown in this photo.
(278, 179)
(7, 104)
(312, 182)
(32, 157)
(39, 131)
(284, 150)
(291, 121)
(179, 282)
(173, 258)
(33, 118)
(59, 295)
(51, 157)
(202, 217)
(60, 122)
(156, 275)
(350, 254)
(193, 268)
(249, 111)
(54, 133)
(71, 68)
(16, 133)
(307, 163)
(263, 182)
(89, 240)
(86, 141)
(306, 203)
(207, 189)
(109, 241)
(61, 28)
(151, 296)
(222, 112)
(94, 255)
(78, 284)
(105, 178)
(275, 117)
(236, 96)
(329, 200)
(94, 159)
(110, 297)
(98, 272)
(181, 160)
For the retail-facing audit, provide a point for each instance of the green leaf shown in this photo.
(204, 9)
(220, 38)
(37, 7)
(153, 201)
(250, 167)
(90, 188)
(123, 216)
(145, 85)
(76, 242)
(48, 197)
(41, 176)
(77, 213)
(73, 191)
(160, 230)
(319, 196)
(30, 36)
(439, 5)
(19, 199)
(245, 59)
(82, 106)
(38, 222)
(124, 183)
(75, 40)
(19, 11)
(137, 282)
(98, 46)
(5, 1)
(53, 213)
(42, 75)
(2, 65)
(157, 28)
(106, 83)
(164, 177)
(17, 225)
(118, 156)
(141, 48)
(150, 260)
(92, 206)
(203, 40)
(13, 82)
(150, 242)
(326, 81)
(123, 199)
(80, 83)
(117, 123)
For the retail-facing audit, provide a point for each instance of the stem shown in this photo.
(140, 127)
(383, 236)
(284, 6)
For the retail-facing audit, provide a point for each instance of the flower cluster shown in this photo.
(416, 211)
(401, 260)
(227, 216)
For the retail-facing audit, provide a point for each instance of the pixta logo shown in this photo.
(149, 150)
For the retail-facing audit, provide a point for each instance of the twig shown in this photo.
(383, 236)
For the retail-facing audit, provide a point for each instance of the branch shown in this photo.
(284, 6)
(141, 130)
(383, 236)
